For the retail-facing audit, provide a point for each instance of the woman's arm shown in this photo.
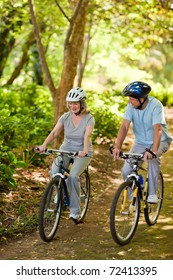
(87, 139)
(53, 134)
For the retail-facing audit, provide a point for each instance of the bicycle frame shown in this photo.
(56, 197)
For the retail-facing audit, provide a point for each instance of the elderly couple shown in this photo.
(149, 127)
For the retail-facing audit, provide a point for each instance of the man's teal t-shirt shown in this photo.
(143, 121)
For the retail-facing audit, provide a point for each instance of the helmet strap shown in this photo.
(141, 103)
(78, 113)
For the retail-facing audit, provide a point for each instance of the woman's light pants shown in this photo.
(73, 181)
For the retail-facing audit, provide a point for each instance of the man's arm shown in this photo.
(156, 141)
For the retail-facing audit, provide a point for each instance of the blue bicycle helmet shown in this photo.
(137, 90)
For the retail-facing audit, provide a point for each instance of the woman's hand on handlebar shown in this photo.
(82, 154)
(40, 149)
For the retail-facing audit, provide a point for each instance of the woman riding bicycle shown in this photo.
(150, 130)
(78, 125)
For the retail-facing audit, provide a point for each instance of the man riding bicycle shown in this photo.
(149, 126)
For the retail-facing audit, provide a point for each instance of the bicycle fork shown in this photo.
(126, 193)
(135, 192)
(145, 190)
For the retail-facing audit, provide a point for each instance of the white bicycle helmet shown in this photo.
(75, 95)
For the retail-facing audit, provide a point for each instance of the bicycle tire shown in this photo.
(152, 211)
(123, 218)
(50, 210)
(84, 194)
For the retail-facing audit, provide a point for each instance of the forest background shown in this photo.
(49, 46)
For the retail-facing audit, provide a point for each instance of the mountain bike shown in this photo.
(126, 205)
(56, 197)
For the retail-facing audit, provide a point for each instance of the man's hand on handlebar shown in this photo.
(116, 152)
(149, 155)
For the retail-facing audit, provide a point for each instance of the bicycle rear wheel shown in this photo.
(50, 210)
(124, 215)
(84, 194)
(152, 211)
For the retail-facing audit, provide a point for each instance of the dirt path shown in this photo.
(92, 239)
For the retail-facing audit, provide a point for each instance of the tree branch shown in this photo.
(72, 22)
(62, 11)
(23, 59)
(48, 77)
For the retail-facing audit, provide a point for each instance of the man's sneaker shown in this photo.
(152, 198)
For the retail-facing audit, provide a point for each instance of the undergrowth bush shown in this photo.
(107, 108)
(26, 115)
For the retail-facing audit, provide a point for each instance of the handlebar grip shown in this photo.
(77, 153)
(121, 153)
(111, 149)
(36, 149)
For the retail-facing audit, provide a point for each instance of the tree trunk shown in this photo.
(83, 58)
(72, 51)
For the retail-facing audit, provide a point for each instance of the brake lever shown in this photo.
(111, 149)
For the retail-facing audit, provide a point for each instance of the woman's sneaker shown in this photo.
(152, 198)
(75, 218)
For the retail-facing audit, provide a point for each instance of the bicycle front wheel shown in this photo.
(124, 214)
(84, 194)
(50, 210)
(152, 211)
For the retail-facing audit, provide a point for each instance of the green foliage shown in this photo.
(25, 119)
(25, 113)
(25, 222)
(163, 94)
(107, 108)
(8, 164)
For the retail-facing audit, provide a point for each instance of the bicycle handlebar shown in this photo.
(52, 151)
(127, 155)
